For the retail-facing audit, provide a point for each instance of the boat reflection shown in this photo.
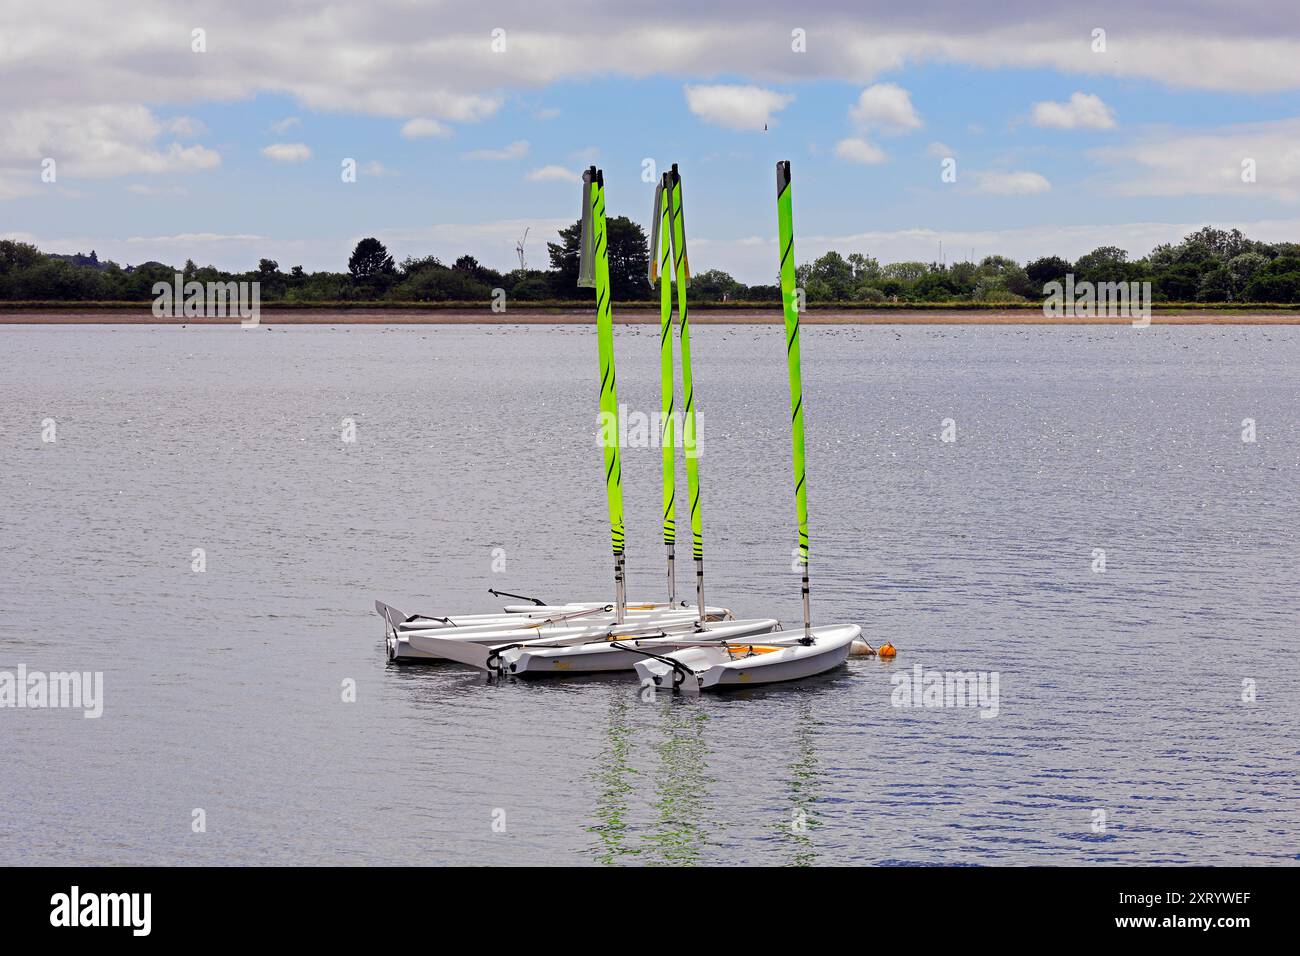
(612, 774)
(682, 783)
(804, 775)
(674, 817)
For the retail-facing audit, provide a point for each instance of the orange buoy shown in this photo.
(887, 651)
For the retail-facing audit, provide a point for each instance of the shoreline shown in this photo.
(630, 316)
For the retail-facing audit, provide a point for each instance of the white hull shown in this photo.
(584, 613)
(776, 661)
(434, 644)
(594, 658)
(513, 628)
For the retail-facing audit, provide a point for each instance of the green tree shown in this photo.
(907, 272)
(440, 284)
(1243, 268)
(1279, 281)
(478, 272)
(962, 276)
(629, 261)
(18, 255)
(714, 285)
(370, 260)
(934, 286)
(1179, 283)
(865, 268)
(1047, 269)
(1220, 244)
(528, 285)
(411, 265)
(1216, 286)
(837, 273)
(1103, 264)
(1003, 273)
(1270, 287)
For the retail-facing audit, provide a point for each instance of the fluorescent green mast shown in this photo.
(661, 272)
(673, 182)
(593, 272)
(790, 303)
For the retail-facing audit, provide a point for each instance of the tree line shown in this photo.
(1209, 265)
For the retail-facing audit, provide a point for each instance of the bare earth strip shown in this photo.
(701, 316)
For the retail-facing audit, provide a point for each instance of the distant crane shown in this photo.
(519, 250)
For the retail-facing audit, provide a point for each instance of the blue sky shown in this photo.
(234, 152)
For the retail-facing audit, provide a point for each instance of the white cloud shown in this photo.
(369, 58)
(885, 106)
(364, 59)
(423, 127)
(1082, 111)
(287, 152)
(286, 124)
(1210, 162)
(1011, 183)
(551, 174)
(547, 113)
(516, 150)
(376, 169)
(90, 142)
(736, 107)
(186, 127)
(859, 151)
(940, 150)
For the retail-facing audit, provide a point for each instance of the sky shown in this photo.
(221, 131)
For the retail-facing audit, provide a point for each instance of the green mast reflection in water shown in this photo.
(681, 785)
(802, 786)
(612, 773)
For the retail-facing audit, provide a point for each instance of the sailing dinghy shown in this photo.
(613, 652)
(715, 665)
(620, 644)
(593, 625)
(618, 649)
(585, 612)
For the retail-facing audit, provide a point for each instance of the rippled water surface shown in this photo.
(1119, 691)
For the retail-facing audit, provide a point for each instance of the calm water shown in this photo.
(1120, 691)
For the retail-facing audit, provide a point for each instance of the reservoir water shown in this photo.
(1096, 532)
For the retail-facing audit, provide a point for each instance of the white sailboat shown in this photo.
(616, 648)
(574, 612)
(619, 651)
(424, 637)
(714, 665)
(588, 624)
